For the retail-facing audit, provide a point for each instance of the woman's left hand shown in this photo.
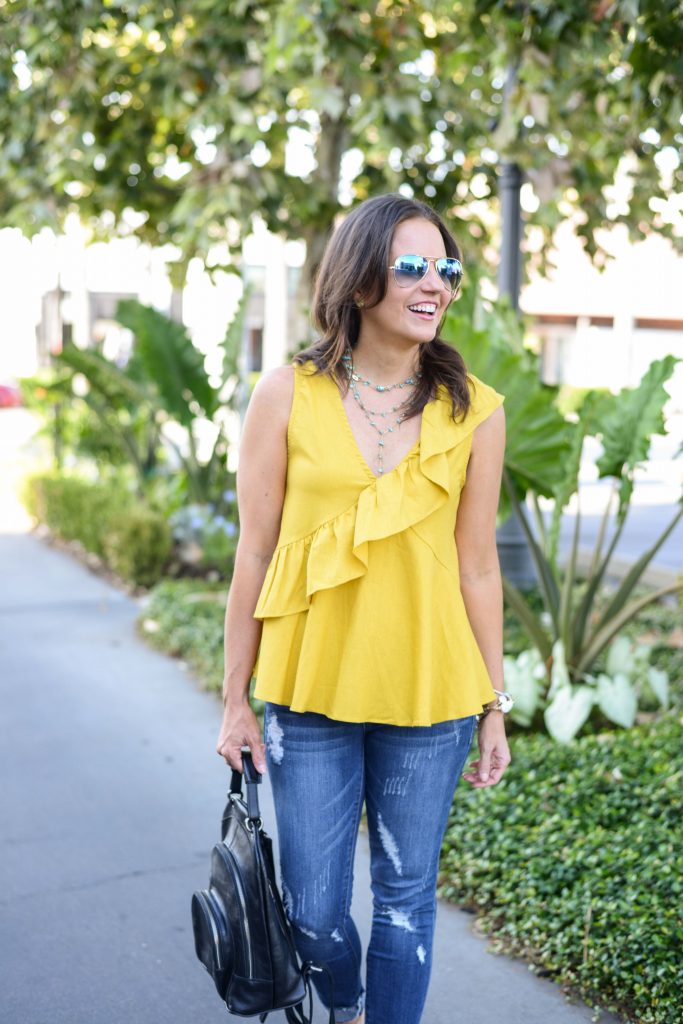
(494, 752)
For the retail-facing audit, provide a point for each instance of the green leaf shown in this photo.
(559, 675)
(616, 698)
(525, 679)
(538, 436)
(619, 657)
(627, 430)
(164, 355)
(659, 681)
(568, 712)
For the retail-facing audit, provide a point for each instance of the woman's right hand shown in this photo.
(240, 728)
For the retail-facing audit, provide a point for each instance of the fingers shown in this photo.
(231, 751)
(475, 775)
(258, 753)
(484, 765)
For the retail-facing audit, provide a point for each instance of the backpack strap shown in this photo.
(253, 780)
(296, 1014)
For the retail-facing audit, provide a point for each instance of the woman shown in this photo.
(367, 580)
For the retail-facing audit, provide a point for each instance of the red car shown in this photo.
(10, 397)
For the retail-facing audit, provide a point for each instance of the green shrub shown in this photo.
(185, 618)
(76, 509)
(138, 544)
(106, 519)
(575, 861)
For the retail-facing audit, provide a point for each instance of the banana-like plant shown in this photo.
(164, 383)
(122, 405)
(576, 626)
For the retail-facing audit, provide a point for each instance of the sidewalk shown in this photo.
(112, 799)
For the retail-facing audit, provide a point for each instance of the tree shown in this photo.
(177, 121)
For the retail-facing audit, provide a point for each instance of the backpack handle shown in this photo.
(253, 780)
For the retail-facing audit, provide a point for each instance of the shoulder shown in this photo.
(482, 395)
(488, 416)
(485, 404)
(274, 391)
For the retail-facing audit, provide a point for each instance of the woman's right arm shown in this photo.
(261, 479)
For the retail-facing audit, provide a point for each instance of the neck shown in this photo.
(384, 364)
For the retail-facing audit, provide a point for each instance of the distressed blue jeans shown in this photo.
(321, 771)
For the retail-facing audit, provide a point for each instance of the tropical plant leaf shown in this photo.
(567, 591)
(628, 428)
(616, 698)
(525, 679)
(164, 354)
(568, 712)
(559, 673)
(544, 571)
(632, 577)
(619, 657)
(659, 681)
(538, 436)
(104, 377)
(594, 404)
(529, 620)
(602, 637)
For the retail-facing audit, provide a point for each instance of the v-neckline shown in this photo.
(356, 447)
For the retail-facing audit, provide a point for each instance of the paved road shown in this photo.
(110, 804)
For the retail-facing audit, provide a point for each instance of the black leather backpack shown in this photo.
(241, 931)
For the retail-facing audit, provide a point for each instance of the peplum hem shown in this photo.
(336, 552)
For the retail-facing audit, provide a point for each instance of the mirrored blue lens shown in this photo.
(450, 272)
(410, 269)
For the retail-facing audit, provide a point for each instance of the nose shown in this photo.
(431, 278)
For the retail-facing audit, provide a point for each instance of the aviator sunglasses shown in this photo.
(410, 269)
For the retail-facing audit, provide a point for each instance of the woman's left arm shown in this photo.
(480, 583)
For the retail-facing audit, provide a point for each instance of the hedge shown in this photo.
(185, 618)
(107, 520)
(575, 861)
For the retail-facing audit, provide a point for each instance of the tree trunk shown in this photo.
(332, 143)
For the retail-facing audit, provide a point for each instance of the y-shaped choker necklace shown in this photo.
(347, 359)
(371, 414)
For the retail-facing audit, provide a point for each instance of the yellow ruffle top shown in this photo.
(363, 619)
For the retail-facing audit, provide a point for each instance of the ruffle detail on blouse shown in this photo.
(336, 552)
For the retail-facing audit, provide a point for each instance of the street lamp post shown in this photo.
(514, 554)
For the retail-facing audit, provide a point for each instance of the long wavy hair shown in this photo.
(355, 266)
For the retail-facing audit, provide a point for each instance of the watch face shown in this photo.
(505, 702)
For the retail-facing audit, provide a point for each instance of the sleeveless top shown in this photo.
(363, 619)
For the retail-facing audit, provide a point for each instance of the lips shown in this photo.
(426, 310)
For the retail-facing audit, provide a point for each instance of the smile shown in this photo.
(424, 308)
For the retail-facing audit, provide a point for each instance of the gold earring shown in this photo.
(359, 303)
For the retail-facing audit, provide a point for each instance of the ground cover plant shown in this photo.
(184, 618)
(575, 861)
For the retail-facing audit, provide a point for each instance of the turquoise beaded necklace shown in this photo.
(372, 414)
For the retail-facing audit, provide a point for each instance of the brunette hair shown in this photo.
(355, 266)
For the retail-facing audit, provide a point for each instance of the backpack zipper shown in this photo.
(229, 859)
(209, 911)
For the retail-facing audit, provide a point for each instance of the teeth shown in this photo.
(424, 307)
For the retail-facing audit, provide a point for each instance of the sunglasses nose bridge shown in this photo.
(431, 271)
(440, 281)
